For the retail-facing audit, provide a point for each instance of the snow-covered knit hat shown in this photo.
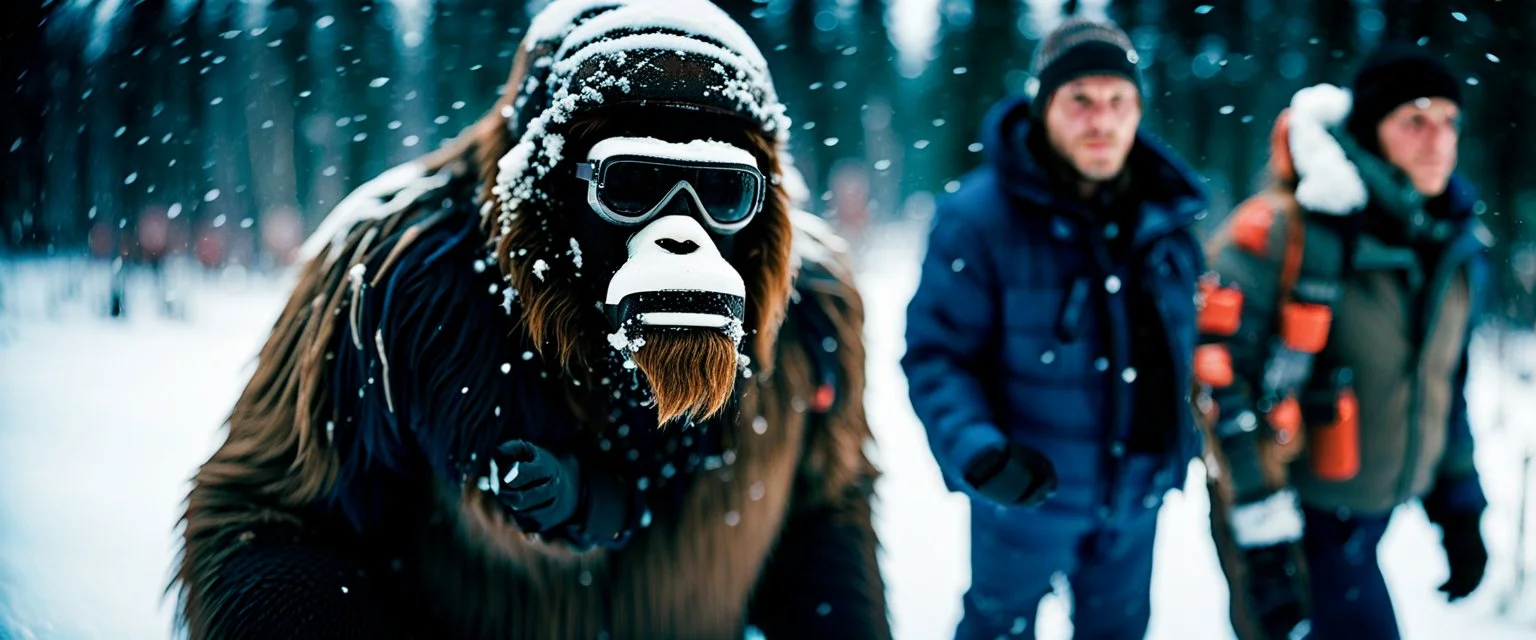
(1395, 74)
(587, 55)
(1081, 47)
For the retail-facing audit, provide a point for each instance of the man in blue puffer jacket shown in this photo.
(1050, 340)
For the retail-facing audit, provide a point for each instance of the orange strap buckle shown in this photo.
(1222, 313)
(1304, 327)
(1213, 365)
(1285, 419)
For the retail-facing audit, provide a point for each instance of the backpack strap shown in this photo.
(1312, 270)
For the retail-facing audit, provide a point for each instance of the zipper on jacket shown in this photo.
(1450, 265)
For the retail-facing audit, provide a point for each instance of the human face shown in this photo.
(1420, 138)
(1092, 123)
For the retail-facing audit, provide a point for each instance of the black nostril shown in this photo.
(679, 247)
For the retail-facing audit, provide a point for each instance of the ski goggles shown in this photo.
(631, 180)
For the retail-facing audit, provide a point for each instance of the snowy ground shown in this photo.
(102, 422)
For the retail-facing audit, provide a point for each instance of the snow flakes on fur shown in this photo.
(385, 195)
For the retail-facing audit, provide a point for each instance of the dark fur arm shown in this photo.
(276, 583)
(823, 579)
(434, 379)
(417, 377)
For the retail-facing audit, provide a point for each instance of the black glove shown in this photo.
(1012, 474)
(546, 493)
(1274, 588)
(537, 486)
(1465, 553)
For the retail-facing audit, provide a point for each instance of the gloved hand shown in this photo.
(547, 493)
(542, 491)
(1274, 588)
(1012, 474)
(1465, 553)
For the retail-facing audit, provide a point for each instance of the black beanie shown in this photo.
(1395, 74)
(1081, 47)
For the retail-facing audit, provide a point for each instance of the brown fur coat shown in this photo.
(778, 536)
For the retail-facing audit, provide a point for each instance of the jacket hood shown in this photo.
(1162, 178)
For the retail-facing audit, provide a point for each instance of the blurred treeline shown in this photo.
(226, 129)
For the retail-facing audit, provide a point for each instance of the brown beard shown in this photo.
(692, 372)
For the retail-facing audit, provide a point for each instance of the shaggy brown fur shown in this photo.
(694, 572)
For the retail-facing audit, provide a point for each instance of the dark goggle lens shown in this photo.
(632, 188)
(727, 194)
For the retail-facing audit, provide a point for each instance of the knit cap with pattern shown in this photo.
(1081, 47)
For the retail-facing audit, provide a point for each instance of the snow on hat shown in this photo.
(589, 54)
(1081, 47)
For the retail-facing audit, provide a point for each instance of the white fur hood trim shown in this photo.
(1327, 181)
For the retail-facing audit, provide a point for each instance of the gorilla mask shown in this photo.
(638, 212)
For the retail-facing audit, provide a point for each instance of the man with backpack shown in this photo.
(1334, 333)
(1052, 332)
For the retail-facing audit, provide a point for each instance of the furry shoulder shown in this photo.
(387, 194)
(816, 249)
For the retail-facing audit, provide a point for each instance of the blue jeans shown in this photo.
(1349, 594)
(1014, 553)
